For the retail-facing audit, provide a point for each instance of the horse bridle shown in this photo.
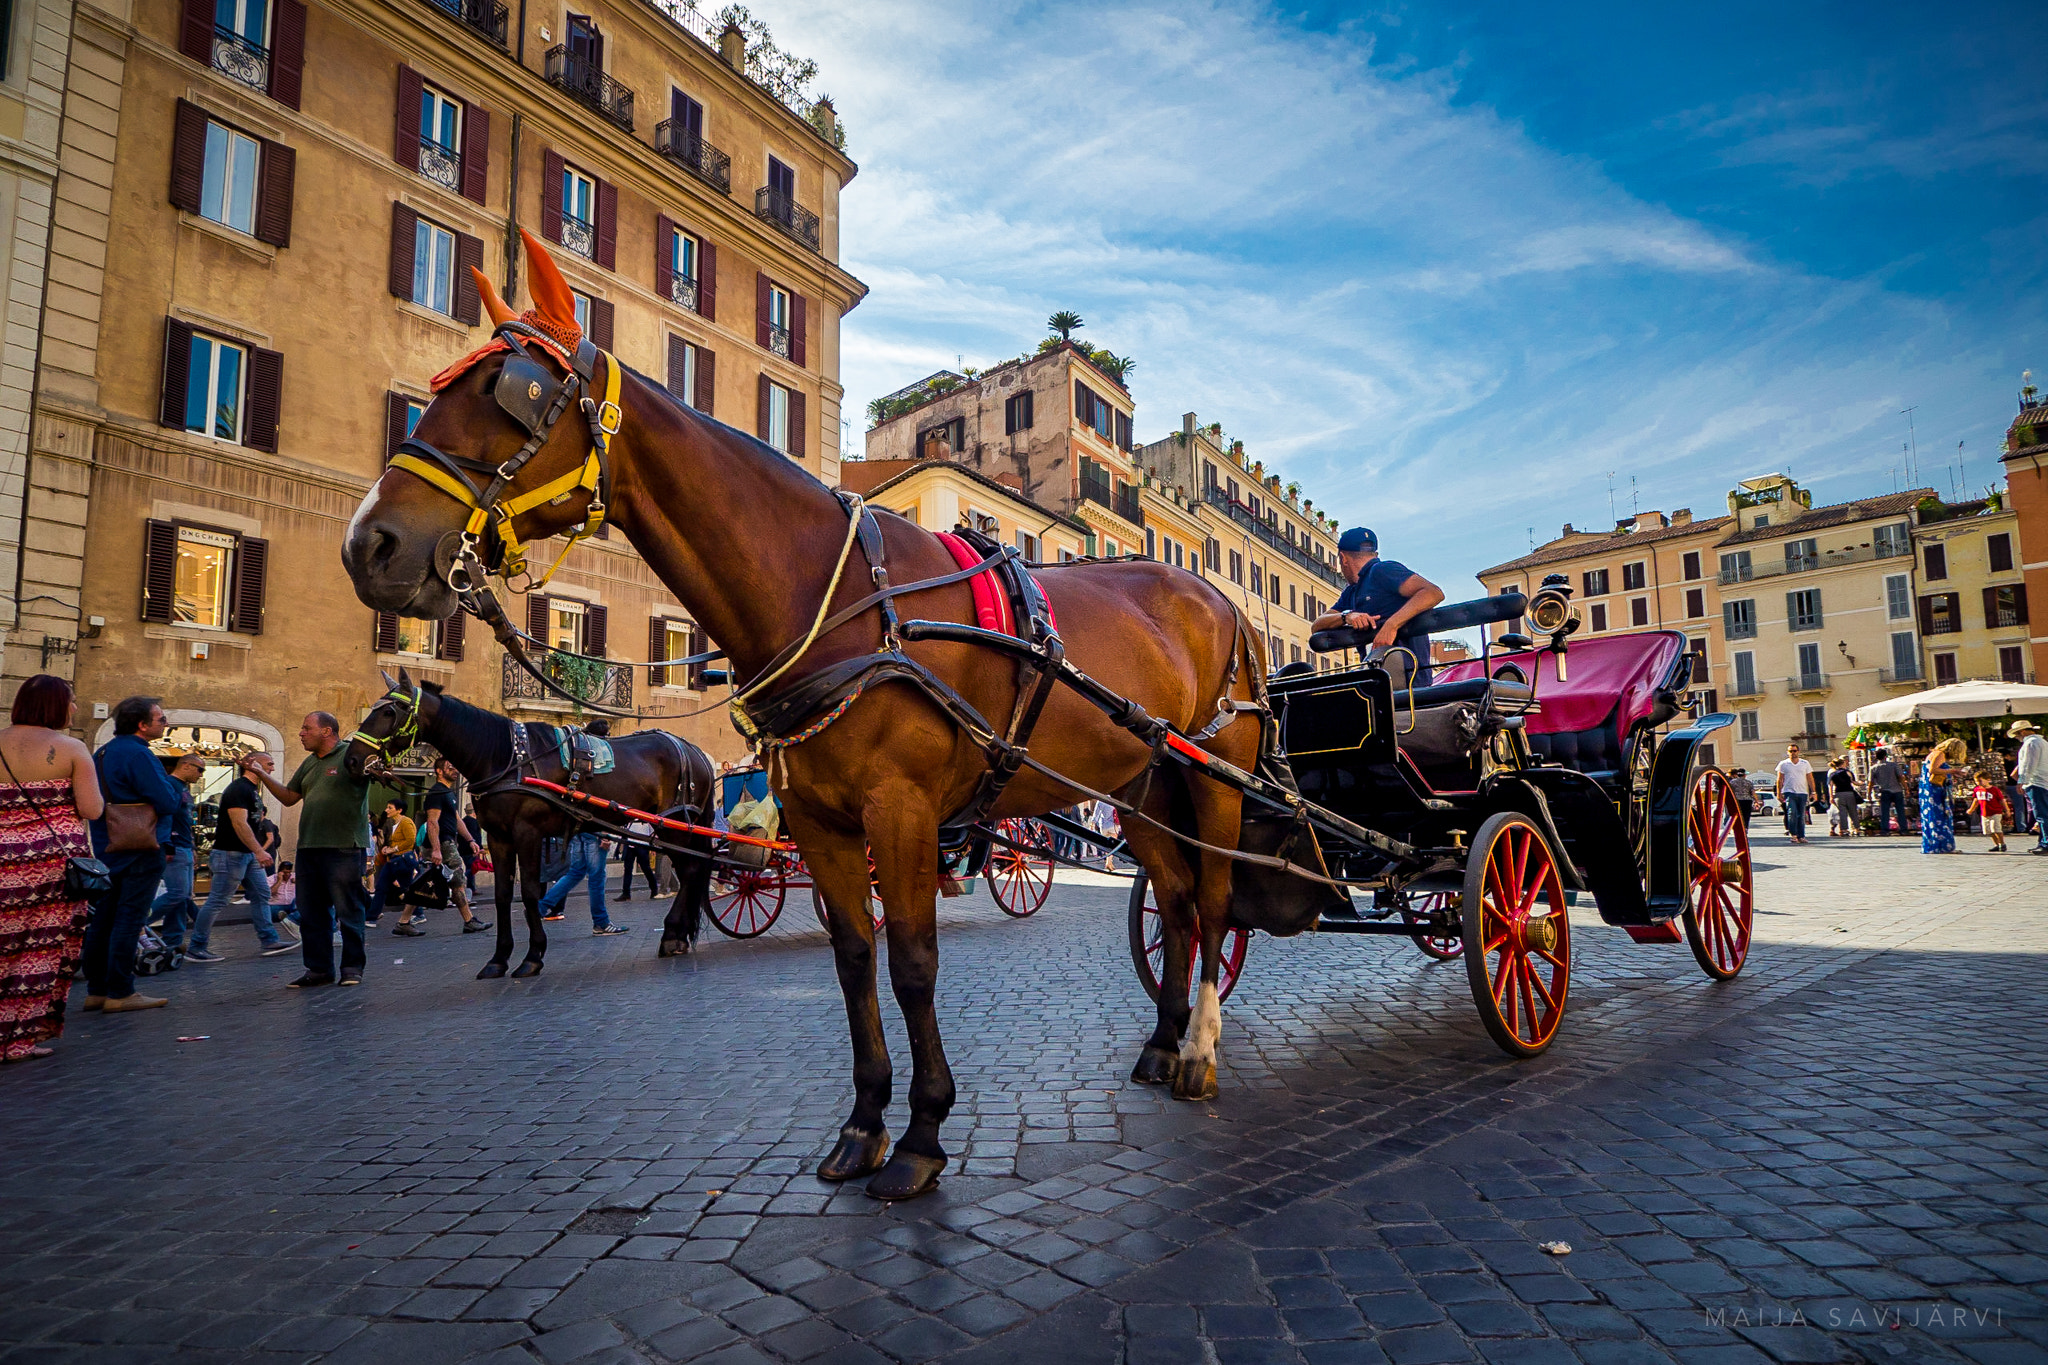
(528, 392)
(407, 732)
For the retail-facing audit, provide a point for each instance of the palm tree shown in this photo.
(1066, 323)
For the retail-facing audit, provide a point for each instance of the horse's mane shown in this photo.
(679, 409)
(476, 741)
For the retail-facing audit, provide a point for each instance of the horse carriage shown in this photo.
(1517, 783)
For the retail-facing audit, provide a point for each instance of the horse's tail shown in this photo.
(696, 790)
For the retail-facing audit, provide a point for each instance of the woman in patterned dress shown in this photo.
(42, 931)
(1937, 819)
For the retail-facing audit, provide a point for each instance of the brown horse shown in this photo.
(748, 541)
(652, 770)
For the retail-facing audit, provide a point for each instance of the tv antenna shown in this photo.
(1912, 442)
(1635, 506)
(1610, 497)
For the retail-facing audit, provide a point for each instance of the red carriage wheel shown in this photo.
(1020, 878)
(1720, 893)
(1148, 948)
(745, 901)
(874, 901)
(1518, 934)
(1425, 910)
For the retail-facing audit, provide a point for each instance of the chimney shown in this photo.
(825, 115)
(732, 48)
(1567, 529)
(1682, 517)
(1187, 424)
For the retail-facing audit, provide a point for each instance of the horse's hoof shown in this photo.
(1156, 1066)
(1196, 1081)
(491, 972)
(527, 969)
(907, 1176)
(856, 1155)
(674, 947)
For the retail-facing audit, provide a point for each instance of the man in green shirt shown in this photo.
(334, 840)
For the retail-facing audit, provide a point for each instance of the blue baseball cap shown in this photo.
(1357, 539)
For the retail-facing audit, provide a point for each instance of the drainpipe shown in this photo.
(512, 208)
(521, 47)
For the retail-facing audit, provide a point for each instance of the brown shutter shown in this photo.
(266, 399)
(177, 373)
(551, 168)
(1084, 406)
(405, 131)
(694, 677)
(404, 230)
(707, 386)
(594, 630)
(397, 407)
(469, 253)
(252, 569)
(664, 272)
(1927, 616)
(195, 34)
(537, 615)
(274, 194)
(607, 224)
(796, 423)
(678, 368)
(288, 52)
(760, 310)
(761, 413)
(1990, 608)
(657, 648)
(159, 569)
(188, 152)
(387, 632)
(601, 324)
(476, 151)
(451, 638)
(797, 310)
(707, 282)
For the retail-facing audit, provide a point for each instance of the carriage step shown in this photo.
(1667, 932)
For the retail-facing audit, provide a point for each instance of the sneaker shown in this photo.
(408, 930)
(555, 916)
(351, 977)
(273, 949)
(477, 926)
(611, 929)
(310, 979)
(126, 1003)
(202, 955)
(291, 930)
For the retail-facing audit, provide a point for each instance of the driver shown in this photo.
(1383, 594)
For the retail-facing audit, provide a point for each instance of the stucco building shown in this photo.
(1972, 599)
(2025, 460)
(263, 233)
(941, 495)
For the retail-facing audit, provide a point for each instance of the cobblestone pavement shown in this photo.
(1837, 1156)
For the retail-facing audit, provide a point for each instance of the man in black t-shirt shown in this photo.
(240, 860)
(442, 836)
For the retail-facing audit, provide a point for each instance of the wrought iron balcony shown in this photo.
(682, 290)
(442, 165)
(778, 340)
(2005, 616)
(783, 211)
(480, 16)
(579, 236)
(1909, 675)
(586, 679)
(1826, 559)
(694, 155)
(1126, 505)
(1242, 515)
(586, 81)
(1813, 740)
(1808, 682)
(239, 59)
(1943, 623)
(1746, 687)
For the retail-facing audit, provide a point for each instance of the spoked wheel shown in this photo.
(1518, 933)
(1639, 755)
(1148, 948)
(874, 901)
(1720, 895)
(1428, 910)
(1020, 878)
(745, 901)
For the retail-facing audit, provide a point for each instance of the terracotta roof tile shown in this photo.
(1835, 514)
(1596, 544)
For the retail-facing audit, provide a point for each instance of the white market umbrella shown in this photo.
(1957, 701)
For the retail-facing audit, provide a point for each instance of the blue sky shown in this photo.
(1453, 266)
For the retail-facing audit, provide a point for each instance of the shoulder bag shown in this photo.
(84, 878)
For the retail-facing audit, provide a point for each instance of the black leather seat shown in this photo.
(1595, 752)
(1465, 689)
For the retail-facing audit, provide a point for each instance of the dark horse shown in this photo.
(655, 771)
(748, 541)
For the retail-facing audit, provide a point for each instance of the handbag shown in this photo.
(131, 827)
(84, 878)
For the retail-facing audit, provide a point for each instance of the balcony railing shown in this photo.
(481, 16)
(586, 81)
(1126, 505)
(239, 59)
(1829, 559)
(682, 290)
(2005, 616)
(778, 340)
(694, 155)
(783, 211)
(1242, 515)
(442, 165)
(586, 679)
(579, 236)
(1911, 674)
(1813, 740)
(1746, 687)
(2016, 676)
(1807, 682)
(1942, 625)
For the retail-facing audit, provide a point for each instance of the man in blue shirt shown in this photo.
(1381, 595)
(175, 907)
(129, 774)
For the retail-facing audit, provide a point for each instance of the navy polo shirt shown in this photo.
(1377, 592)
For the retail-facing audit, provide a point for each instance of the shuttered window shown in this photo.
(231, 177)
(402, 412)
(222, 388)
(445, 139)
(204, 576)
(426, 639)
(669, 639)
(260, 43)
(1017, 413)
(431, 265)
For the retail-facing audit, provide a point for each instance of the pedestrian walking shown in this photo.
(238, 861)
(1842, 799)
(174, 907)
(1887, 781)
(584, 863)
(1795, 787)
(130, 837)
(334, 839)
(1937, 820)
(51, 790)
(632, 851)
(1744, 792)
(2030, 770)
(1987, 799)
(395, 868)
(443, 841)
